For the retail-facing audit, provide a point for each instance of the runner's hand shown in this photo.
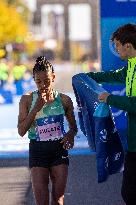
(41, 100)
(68, 142)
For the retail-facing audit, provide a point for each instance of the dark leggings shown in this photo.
(128, 190)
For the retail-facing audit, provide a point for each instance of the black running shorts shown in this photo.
(47, 154)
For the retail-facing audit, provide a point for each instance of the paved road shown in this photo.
(14, 181)
(82, 187)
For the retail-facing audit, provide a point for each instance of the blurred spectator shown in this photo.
(90, 65)
(85, 66)
(3, 72)
(18, 71)
(28, 82)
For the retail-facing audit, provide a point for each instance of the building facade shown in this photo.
(94, 18)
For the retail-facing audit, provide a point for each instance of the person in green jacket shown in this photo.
(124, 39)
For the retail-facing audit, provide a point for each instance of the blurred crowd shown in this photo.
(16, 77)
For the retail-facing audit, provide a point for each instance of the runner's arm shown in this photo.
(69, 114)
(25, 119)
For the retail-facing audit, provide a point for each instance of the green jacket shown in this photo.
(126, 103)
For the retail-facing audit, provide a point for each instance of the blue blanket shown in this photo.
(97, 124)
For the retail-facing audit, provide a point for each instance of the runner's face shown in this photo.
(44, 81)
(122, 50)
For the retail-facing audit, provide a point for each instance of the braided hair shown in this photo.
(42, 64)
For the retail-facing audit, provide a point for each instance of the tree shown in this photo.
(12, 26)
(21, 8)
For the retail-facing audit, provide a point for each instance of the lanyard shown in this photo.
(132, 80)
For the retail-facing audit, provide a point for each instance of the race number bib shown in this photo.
(48, 129)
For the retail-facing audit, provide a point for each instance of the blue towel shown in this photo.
(97, 124)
